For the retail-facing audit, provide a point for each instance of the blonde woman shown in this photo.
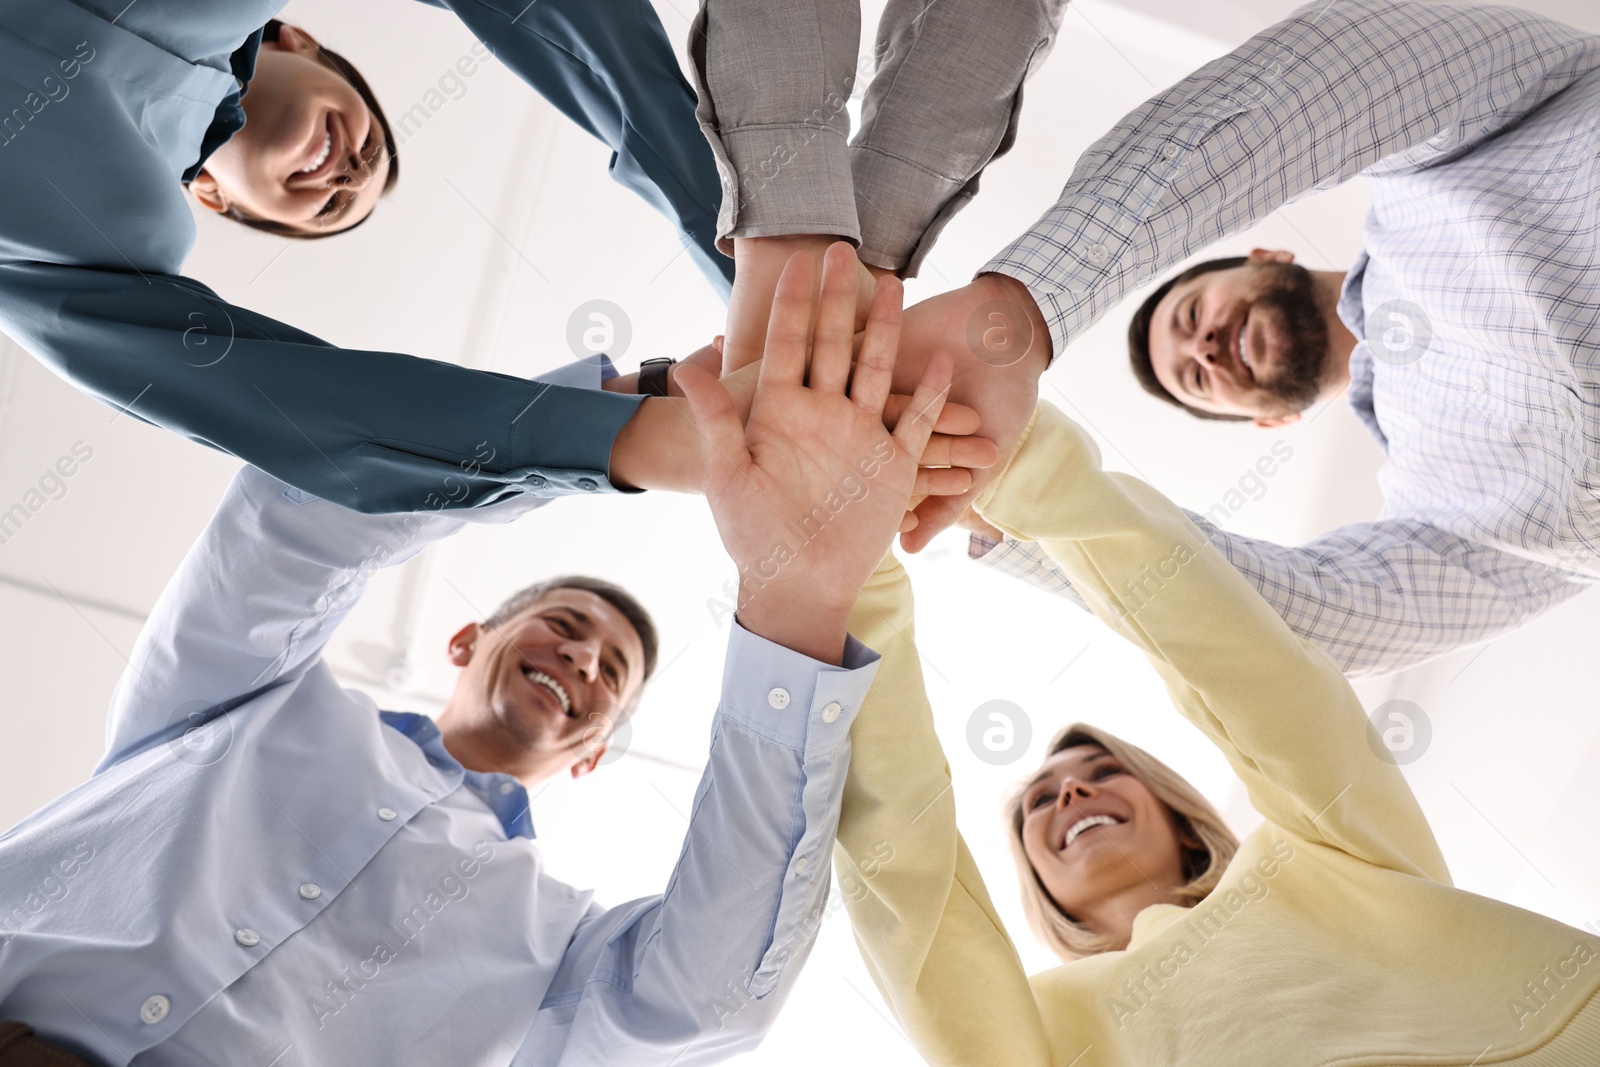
(1331, 935)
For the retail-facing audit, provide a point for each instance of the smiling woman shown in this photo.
(316, 152)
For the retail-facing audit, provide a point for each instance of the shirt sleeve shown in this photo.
(699, 974)
(1336, 88)
(930, 936)
(1280, 711)
(1374, 597)
(609, 67)
(259, 594)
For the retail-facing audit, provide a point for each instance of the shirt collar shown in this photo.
(500, 793)
(1352, 312)
(229, 117)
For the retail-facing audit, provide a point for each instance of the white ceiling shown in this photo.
(503, 223)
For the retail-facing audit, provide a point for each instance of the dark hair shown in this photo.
(346, 70)
(615, 595)
(1139, 337)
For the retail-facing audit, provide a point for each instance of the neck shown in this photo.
(1115, 914)
(1341, 342)
(485, 751)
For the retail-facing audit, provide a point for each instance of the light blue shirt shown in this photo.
(267, 870)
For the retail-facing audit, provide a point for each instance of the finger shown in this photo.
(934, 515)
(954, 419)
(943, 450)
(942, 481)
(722, 444)
(836, 320)
(908, 523)
(879, 343)
(789, 327)
(916, 425)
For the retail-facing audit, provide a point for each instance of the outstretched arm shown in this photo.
(923, 918)
(1278, 708)
(1375, 597)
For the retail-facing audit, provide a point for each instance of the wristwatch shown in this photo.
(653, 376)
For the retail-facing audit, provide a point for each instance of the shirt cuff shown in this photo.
(791, 699)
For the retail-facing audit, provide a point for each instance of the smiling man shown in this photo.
(107, 108)
(266, 868)
(1464, 337)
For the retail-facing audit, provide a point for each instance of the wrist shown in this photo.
(1003, 288)
(810, 627)
(657, 448)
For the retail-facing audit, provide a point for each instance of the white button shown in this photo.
(802, 865)
(1098, 254)
(831, 711)
(1567, 412)
(430, 790)
(506, 787)
(1169, 150)
(310, 891)
(778, 698)
(246, 937)
(1479, 385)
(388, 814)
(154, 1009)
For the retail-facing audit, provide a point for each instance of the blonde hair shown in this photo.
(1196, 819)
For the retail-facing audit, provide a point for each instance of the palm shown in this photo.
(809, 493)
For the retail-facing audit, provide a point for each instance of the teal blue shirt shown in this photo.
(104, 106)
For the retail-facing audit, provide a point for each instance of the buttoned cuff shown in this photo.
(791, 699)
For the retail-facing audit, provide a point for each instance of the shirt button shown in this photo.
(1098, 255)
(154, 1009)
(1479, 385)
(831, 711)
(538, 481)
(388, 814)
(506, 787)
(246, 937)
(802, 865)
(1169, 150)
(310, 891)
(588, 485)
(778, 698)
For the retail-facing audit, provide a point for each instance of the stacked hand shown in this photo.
(809, 491)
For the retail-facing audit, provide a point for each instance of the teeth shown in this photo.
(1089, 823)
(322, 156)
(551, 684)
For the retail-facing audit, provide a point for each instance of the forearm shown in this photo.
(373, 431)
(943, 104)
(1375, 598)
(609, 67)
(1277, 708)
(923, 920)
(773, 81)
(713, 961)
(1332, 90)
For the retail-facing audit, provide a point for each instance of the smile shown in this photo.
(1082, 826)
(538, 677)
(322, 156)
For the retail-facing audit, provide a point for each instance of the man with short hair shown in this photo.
(265, 868)
(107, 107)
(1466, 336)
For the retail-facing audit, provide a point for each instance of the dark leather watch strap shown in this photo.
(653, 376)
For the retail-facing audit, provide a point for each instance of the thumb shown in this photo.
(722, 445)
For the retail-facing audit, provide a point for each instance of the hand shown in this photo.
(808, 495)
(758, 261)
(1001, 345)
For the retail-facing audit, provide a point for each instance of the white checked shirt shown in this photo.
(1476, 300)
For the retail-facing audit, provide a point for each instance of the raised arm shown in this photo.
(923, 919)
(609, 67)
(1337, 87)
(1277, 707)
(1374, 597)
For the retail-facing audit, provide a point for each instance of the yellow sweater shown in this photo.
(1334, 938)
